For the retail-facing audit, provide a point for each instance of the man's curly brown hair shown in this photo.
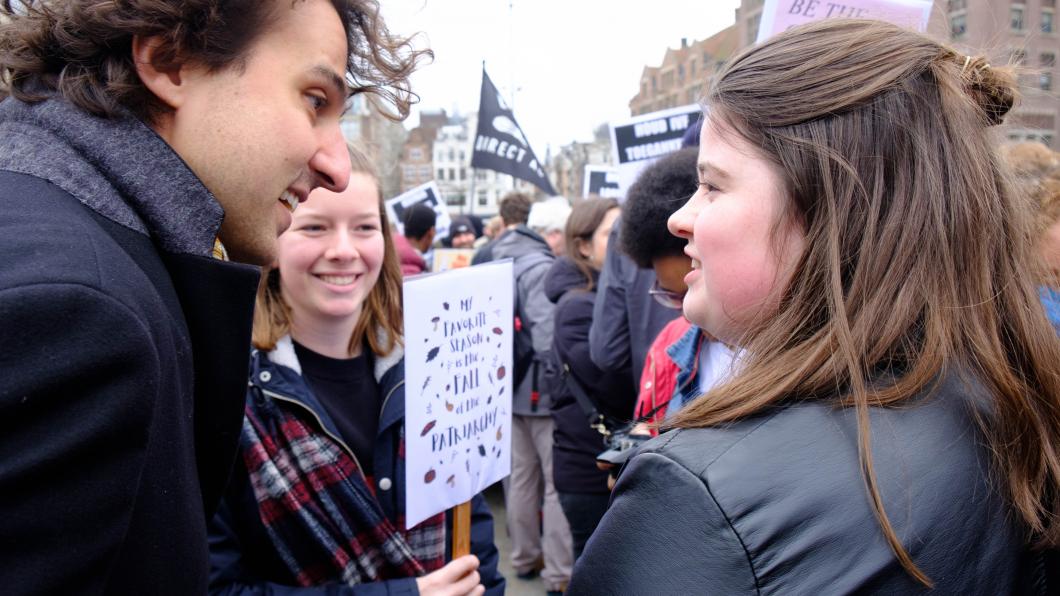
(83, 48)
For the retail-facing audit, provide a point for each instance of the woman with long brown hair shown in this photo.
(316, 503)
(894, 423)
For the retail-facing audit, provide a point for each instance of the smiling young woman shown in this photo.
(895, 420)
(317, 497)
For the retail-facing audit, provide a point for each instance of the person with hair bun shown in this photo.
(894, 423)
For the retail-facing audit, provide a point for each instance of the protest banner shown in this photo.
(458, 393)
(601, 181)
(500, 144)
(451, 258)
(428, 194)
(781, 15)
(637, 142)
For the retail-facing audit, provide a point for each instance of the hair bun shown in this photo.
(993, 89)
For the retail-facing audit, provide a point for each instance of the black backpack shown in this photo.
(524, 360)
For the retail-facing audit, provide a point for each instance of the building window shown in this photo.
(1047, 21)
(452, 174)
(692, 67)
(482, 199)
(1016, 18)
(462, 154)
(415, 154)
(958, 26)
(455, 200)
(1047, 59)
(441, 174)
(1019, 57)
(463, 174)
(955, 5)
(1045, 81)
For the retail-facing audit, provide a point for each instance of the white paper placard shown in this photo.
(781, 15)
(458, 385)
(428, 194)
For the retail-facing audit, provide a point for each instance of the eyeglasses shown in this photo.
(666, 297)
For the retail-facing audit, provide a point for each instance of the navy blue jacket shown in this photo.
(242, 558)
(576, 444)
(123, 361)
(626, 319)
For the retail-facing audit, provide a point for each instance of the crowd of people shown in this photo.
(813, 351)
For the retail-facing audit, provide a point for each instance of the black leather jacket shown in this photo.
(776, 504)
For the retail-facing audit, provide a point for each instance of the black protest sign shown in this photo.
(500, 144)
(653, 135)
(601, 181)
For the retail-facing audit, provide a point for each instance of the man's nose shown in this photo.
(331, 163)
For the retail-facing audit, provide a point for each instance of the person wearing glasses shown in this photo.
(683, 361)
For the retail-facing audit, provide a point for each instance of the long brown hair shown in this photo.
(584, 218)
(380, 323)
(83, 48)
(917, 257)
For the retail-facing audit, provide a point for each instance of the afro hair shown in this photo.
(660, 189)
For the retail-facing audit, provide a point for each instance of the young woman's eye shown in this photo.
(317, 102)
(311, 228)
(367, 228)
(708, 186)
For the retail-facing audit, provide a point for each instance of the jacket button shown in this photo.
(265, 376)
(385, 484)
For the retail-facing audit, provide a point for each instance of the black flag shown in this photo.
(500, 144)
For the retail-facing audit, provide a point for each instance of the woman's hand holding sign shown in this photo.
(458, 578)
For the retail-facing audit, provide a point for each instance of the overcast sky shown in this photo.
(573, 64)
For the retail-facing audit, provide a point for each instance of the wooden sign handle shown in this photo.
(462, 529)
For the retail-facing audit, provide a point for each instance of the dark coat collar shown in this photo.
(118, 167)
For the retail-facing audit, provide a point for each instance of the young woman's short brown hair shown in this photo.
(83, 48)
(380, 325)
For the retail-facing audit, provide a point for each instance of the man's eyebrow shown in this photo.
(337, 83)
(707, 169)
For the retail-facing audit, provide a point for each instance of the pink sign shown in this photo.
(781, 15)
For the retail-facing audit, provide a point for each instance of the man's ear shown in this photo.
(165, 82)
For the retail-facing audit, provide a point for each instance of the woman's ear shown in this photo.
(584, 247)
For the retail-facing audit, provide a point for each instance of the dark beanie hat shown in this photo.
(419, 219)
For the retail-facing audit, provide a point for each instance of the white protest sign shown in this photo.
(601, 181)
(781, 15)
(637, 142)
(428, 194)
(458, 386)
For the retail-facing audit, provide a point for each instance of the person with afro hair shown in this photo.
(683, 361)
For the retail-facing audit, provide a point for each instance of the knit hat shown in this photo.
(418, 220)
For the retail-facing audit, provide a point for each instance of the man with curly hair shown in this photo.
(144, 143)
